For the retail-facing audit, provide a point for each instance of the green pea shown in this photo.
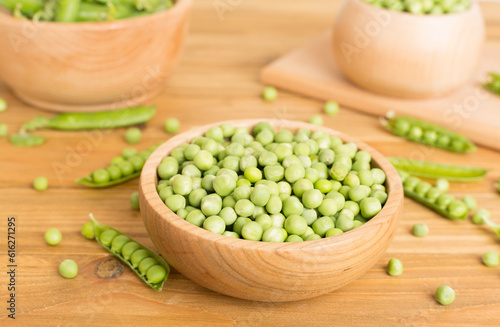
(316, 120)
(4, 130)
(156, 274)
(128, 152)
(119, 242)
(231, 234)
(333, 232)
(53, 236)
(331, 108)
(420, 230)
(491, 259)
(273, 234)
(3, 105)
(215, 224)
(312, 237)
(480, 215)
(445, 295)
(133, 135)
(269, 94)
(138, 256)
(456, 209)
(394, 267)
(295, 224)
(469, 202)
(196, 217)
(107, 237)
(239, 223)
(134, 200)
(129, 248)
(175, 202)
(321, 225)
(40, 184)
(312, 199)
(252, 231)
(68, 269)
(145, 264)
(172, 125)
(87, 230)
(442, 184)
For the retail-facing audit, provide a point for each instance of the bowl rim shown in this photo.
(178, 7)
(474, 5)
(149, 179)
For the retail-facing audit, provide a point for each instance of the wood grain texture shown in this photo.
(470, 110)
(371, 48)
(91, 66)
(217, 79)
(260, 271)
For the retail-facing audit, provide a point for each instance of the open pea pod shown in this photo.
(431, 205)
(156, 262)
(436, 170)
(25, 140)
(88, 181)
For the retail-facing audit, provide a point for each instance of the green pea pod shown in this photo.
(99, 229)
(494, 84)
(93, 12)
(93, 120)
(431, 205)
(427, 133)
(26, 140)
(436, 170)
(67, 11)
(90, 182)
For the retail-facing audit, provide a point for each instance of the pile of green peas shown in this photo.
(423, 7)
(271, 186)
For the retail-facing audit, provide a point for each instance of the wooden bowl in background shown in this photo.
(405, 55)
(91, 66)
(261, 271)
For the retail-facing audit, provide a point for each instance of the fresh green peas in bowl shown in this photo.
(237, 231)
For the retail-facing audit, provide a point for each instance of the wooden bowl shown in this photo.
(405, 55)
(91, 66)
(260, 271)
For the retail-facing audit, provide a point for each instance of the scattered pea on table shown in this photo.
(68, 269)
(53, 236)
(316, 120)
(394, 267)
(40, 183)
(172, 125)
(134, 200)
(420, 230)
(3, 105)
(480, 215)
(4, 130)
(491, 259)
(331, 108)
(445, 295)
(133, 135)
(269, 93)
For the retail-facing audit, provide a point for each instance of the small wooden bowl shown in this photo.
(75, 67)
(260, 271)
(405, 55)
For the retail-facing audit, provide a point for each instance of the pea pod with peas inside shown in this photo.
(93, 120)
(426, 133)
(436, 170)
(121, 169)
(149, 266)
(441, 202)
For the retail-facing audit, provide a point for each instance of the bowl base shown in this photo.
(119, 104)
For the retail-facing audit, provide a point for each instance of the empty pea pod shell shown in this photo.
(99, 229)
(436, 170)
(93, 120)
(454, 142)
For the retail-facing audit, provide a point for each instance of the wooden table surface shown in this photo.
(229, 42)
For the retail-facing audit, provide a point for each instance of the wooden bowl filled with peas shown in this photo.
(80, 55)
(269, 210)
(408, 48)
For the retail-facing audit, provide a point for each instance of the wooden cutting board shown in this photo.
(310, 70)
